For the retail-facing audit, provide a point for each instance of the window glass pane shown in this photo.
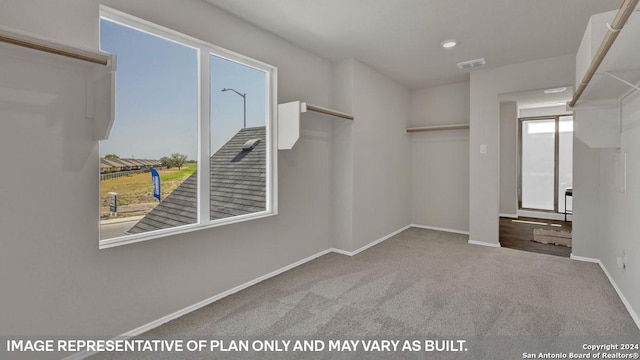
(538, 164)
(238, 139)
(155, 128)
(565, 158)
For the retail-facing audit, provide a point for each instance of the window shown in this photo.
(192, 144)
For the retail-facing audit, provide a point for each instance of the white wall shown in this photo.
(440, 159)
(342, 157)
(54, 279)
(381, 156)
(508, 158)
(544, 111)
(605, 218)
(440, 105)
(370, 177)
(486, 85)
(440, 179)
(586, 203)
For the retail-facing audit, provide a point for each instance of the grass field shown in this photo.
(138, 189)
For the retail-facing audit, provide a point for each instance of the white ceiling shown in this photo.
(537, 98)
(401, 38)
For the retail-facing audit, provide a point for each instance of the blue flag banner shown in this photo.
(156, 184)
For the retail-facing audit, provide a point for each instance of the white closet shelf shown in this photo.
(619, 71)
(34, 42)
(598, 110)
(98, 66)
(289, 115)
(437, 127)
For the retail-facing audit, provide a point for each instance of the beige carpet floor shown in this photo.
(419, 284)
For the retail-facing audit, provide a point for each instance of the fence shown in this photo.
(115, 175)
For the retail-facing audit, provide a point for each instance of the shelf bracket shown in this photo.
(289, 115)
(621, 80)
(633, 89)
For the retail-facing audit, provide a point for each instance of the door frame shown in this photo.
(556, 169)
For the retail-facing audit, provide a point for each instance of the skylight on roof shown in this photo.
(250, 144)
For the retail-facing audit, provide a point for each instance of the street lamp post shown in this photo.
(244, 100)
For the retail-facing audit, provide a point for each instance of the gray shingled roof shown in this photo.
(238, 186)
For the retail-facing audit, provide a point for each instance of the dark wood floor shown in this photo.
(519, 235)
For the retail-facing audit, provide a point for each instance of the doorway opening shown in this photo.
(545, 167)
(536, 170)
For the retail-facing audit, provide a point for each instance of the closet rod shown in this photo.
(438, 127)
(627, 8)
(51, 49)
(320, 109)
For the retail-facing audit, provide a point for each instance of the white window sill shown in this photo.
(132, 239)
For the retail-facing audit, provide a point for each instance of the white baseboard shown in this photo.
(484, 243)
(154, 324)
(585, 259)
(376, 242)
(626, 303)
(203, 303)
(341, 252)
(511, 216)
(544, 215)
(440, 229)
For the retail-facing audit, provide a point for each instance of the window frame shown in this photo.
(204, 51)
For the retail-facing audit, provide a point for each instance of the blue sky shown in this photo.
(227, 107)
(157, 93)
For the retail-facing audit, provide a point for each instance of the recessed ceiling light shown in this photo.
(555, 90)
(449, 43)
